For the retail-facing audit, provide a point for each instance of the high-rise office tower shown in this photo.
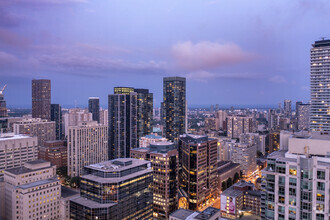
(41, 98)
(15, 150)
(320, 89)
(94, 108)
(297, 110)
(74, 116)
(115, 189)
(87, 144)
(122, 109)
(237, 125)
(3, 106)
(217, 107)
(303, 116)
(56, 115)
(198, 173)
(287, 108)
(32, 191)
(220, 122)
(144, 112)
(165, 162)
(174, 107)
(296, 181)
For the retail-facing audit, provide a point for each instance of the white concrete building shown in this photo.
(41, 128)
(104, 116)
(297, 180)
(246, 156)
(151, 138)
(15, 150)
(254, 139)
(237, 125)
(32, 191)
(74, 116)
(87, 144)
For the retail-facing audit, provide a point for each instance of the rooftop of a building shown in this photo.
(153, 136)
(254, 193)
(231, 192)
(91, 204)
(208, 213)
(230, 166)
(195, 139)
(67, 192)
(117, 164)
(38, 183)
(12, 136)
(181, 214)
(322, 43)
(30, 166)
(141, 149)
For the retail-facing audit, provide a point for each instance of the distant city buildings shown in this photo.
(32, 191)
(174, 107)
(3, 106)
(237, 125)
(296, 180)
(220, 123)
(319, 78)
(198, 169)
(94, 108)
(41, 98)
(287, 108)
(56, 116)
(43, 129)
(121, 190)
(210, 124)
(87, 144)
(303, 116)
(15, 150)
(122, 109)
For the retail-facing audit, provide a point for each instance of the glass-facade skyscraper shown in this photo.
(174, 107)
(320, 86)
(94, 108)
(144, 112)
(56, 115)
(122, 120)
(3, 106)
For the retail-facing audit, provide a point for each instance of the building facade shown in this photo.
(56, 116)
(198, 169)
(94, 108)
(151, 138)
(41, 98)
(41, 128)
(87, 144)
(237, 125)
(55, 152)
(320, 91)
(296, 181)
(144, 112)
(220, 122)
(165, 164)
(174, 107)
(122, 109)
(32, 191)
(303, 116)
(3, 106)
(287, 108)
(119, 189)
(74, 117)
(15, 150)
(246, 156)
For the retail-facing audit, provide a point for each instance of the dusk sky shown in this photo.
(231, 52)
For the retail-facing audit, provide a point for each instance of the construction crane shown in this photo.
(3, 89)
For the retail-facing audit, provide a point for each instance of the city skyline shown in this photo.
(270, 63)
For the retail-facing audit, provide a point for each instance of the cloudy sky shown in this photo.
(231, 52)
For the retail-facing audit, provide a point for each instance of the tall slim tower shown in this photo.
(174, 107)
(320, 89)
(144, 112)
(41, 98)
(122, 119)
(94, 108)
(3, 107)
(287, 108)
(56, 115)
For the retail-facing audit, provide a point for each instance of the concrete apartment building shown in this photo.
(54, 151)
(74, 116)
(237, 125)
(15, 150)
(246, 156)
(43, 129)
(87, 144)
(32, 191)
(296, 180)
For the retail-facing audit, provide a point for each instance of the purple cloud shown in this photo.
(208, 55)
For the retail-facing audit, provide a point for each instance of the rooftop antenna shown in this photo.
(322, 38)
(3, 89)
